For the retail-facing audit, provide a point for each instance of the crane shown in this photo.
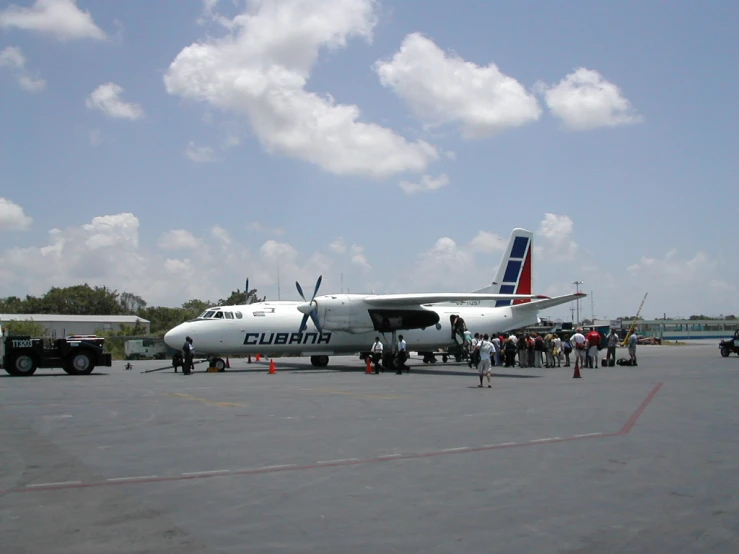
(633, 323)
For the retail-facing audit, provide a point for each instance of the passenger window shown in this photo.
(229, 315)
(238, 315)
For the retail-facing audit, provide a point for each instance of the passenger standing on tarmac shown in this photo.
(557, 350)
(486, 348)
(402, 355)
(593, 339)
(567, 348)
(188, 350)
(579, 345)
(633, 341)
(611, 352)
(377, 355)
(496, 343)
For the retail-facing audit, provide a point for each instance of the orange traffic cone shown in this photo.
(368, 371)
(272, 368)
(228, 364)
(258, 357)
(577, 370)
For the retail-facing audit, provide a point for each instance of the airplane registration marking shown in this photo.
(206, 401)
(357, 394)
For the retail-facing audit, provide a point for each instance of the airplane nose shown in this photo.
(175, 337)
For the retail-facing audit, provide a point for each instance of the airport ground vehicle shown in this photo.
(139, 349)
(21, 356)
(731, 345)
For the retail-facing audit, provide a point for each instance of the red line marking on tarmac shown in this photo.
(338, 463)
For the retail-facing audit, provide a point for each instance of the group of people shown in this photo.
(550, 350)
(402, 355)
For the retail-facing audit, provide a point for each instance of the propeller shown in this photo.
(308, 309)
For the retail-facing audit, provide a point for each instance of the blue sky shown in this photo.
(172, 149)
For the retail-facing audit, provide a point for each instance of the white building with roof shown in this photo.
(58, 326)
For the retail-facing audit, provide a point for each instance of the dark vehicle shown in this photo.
(728, 346)
(21, 356)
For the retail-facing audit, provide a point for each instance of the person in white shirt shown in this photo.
(557, 352)
(579, 347)
(496, 343)
(377, 354)
(402, 355)
(486, 349)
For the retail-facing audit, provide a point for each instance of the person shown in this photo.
(188, 350)
(633, 341)
(557, 349)
(458, 328)
(567, 349)
(498, 345)
(593, 338)
(402, 355)
(612, 344)
(474, 352)
(377, 355)
(579, 345)
(485, 348)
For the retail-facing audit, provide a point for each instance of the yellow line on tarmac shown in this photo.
(357, 394)
(206, 401)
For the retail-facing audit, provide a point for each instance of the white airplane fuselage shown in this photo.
(271, 328)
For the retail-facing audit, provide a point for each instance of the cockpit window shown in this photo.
(229, 315)
(238, 315)
(219, 315)
(208, 314)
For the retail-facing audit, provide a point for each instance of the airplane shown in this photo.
(348, 323)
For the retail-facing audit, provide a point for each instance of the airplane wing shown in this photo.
(549, 302)
(392, 300)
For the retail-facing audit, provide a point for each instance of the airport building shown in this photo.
(58, 326)
(684, 329)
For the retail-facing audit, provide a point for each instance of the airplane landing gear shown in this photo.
(319, 361)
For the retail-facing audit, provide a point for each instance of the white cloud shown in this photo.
(260, 69)
(584, 100)
(259, 227)
(427, 184)
(221, 234)
(488, 242)
(62, 19)
(12, 216)
(444, 88)
(12, 58)
(107, 99)
(178, 239)
(671, 269)
(555, 239)
(444, 264)
(338, 245)
(200, 154)
(278, 250)
(358, 258)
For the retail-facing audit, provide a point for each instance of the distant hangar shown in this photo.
(58, 326)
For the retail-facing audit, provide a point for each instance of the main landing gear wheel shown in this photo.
(219, 364)
(319, 361)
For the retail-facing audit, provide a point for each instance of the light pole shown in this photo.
(577, 289)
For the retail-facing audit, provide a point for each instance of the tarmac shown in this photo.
(626, 459)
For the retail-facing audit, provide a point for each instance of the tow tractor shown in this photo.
(21, 356)
(730, 345)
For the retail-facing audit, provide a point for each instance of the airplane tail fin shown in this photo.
(515, 270)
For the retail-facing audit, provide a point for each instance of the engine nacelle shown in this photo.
(343, 313)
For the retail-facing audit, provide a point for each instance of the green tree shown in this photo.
(131, 303)
(29, 328)
(239, 297)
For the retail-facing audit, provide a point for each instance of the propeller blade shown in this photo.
(303, 325)
(246, 291)
(314, 317)
(300, 291)
(318, 284)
